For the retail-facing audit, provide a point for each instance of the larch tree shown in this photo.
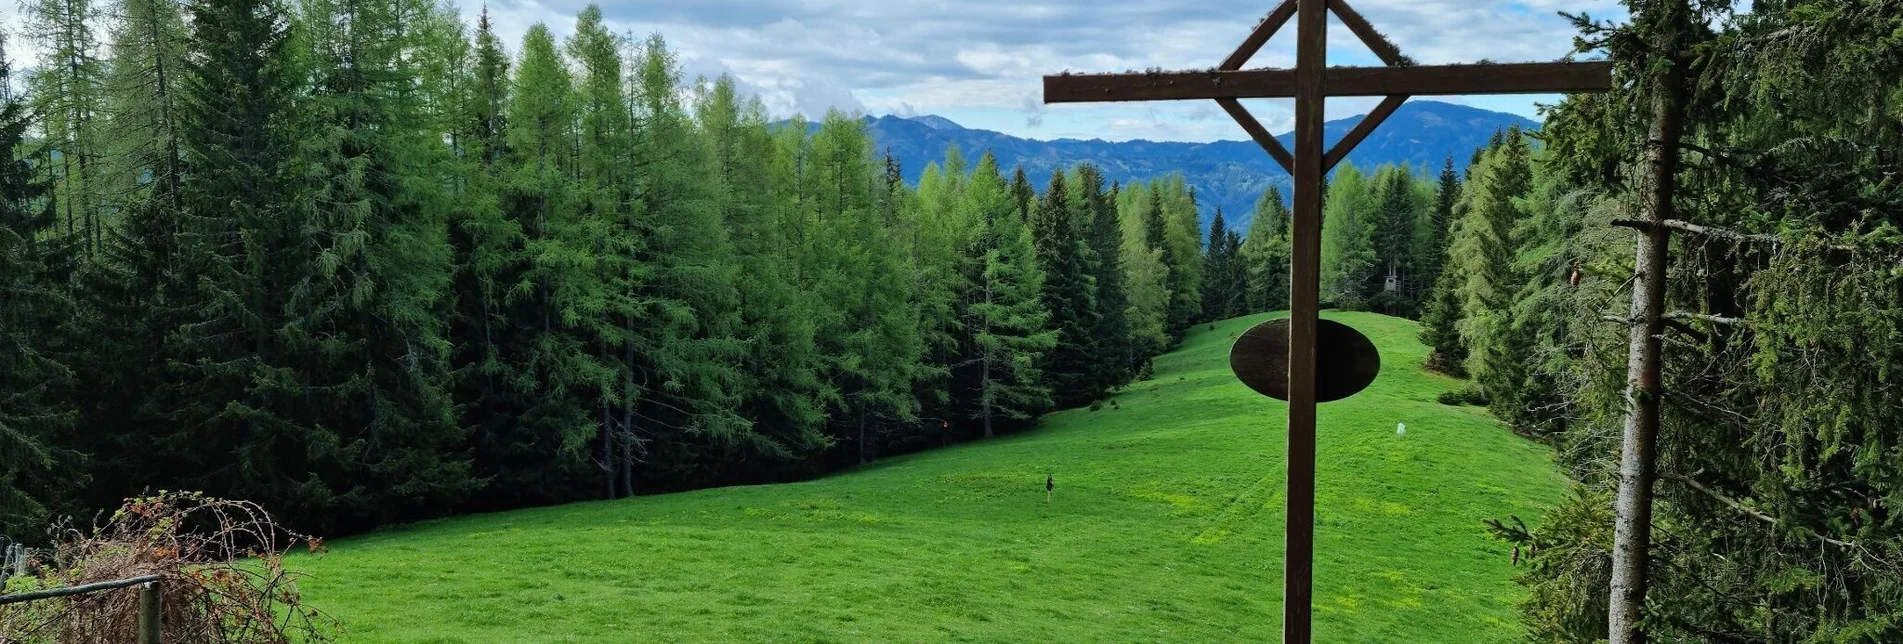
(525, 377)
(68, 94)
(945, 263)
(1009, 322)
(1181, 234)
(1146, 274)
(1348, 255)
(680, 344)
(137, 293)
(779, 380)
(869, 336)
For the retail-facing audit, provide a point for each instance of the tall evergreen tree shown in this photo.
(1104, 230)
(241, 423)
(675, 271)
(1348, 255)
(869, 334)
(945, 260)
(136, 295)
(1146, 274)
(1182, 233)
(1068, 294)
(1264, 255)
(33, 305)
(1395, 215)
(1485, 247)
(1216, 261)
(1439, 224)
(1440, 305)
(524, 371)
(779, 379)
(365, 322)
(1011, 329)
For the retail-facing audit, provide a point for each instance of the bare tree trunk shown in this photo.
(984, 383)
(627, 417)
(608, 450)
(1638, 453)
(862, 430)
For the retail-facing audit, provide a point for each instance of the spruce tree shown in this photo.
(1235, 279)
(1440, 307)
(1394, 218)
(1440, 220)
(1059, 239)
(237, 91)
(1111, 336)
(1440, 318)
(366, 324)
(1216, 262)
(33, 306)
(1484, 246)
(1264, 255)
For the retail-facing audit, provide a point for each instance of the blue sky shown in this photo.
(979, 62)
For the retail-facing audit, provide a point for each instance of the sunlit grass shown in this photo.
(1166, 525)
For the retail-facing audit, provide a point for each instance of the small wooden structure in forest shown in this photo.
(1310, 83)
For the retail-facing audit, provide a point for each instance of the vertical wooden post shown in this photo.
(149, 612)
(1311, 51)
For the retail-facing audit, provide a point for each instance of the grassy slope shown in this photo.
(1166, 526)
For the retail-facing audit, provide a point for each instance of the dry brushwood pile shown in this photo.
(221, 564)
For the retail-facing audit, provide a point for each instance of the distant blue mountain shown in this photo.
(1231, 175)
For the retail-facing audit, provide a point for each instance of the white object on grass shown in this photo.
(1400, 429)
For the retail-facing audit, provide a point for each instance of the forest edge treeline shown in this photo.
(358, 262)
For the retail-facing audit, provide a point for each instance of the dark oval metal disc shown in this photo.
(1346, 361)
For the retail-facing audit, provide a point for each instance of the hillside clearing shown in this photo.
(1165, 525)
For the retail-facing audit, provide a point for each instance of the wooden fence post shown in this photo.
(149, 612)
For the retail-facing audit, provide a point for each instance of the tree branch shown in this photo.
(1753, 512)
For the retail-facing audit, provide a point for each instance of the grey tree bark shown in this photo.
(1638, 452)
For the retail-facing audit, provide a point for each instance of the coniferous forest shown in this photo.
(363, 263)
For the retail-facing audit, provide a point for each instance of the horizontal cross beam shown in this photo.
(1425, 80)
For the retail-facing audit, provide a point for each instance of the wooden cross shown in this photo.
(1310, 83)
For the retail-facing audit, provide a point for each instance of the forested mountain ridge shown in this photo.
(1229, 175)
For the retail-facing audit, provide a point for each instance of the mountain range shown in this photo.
(1230, 175)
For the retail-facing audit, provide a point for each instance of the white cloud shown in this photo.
(981, 60)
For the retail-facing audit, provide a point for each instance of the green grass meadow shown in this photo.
(1166, 526)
